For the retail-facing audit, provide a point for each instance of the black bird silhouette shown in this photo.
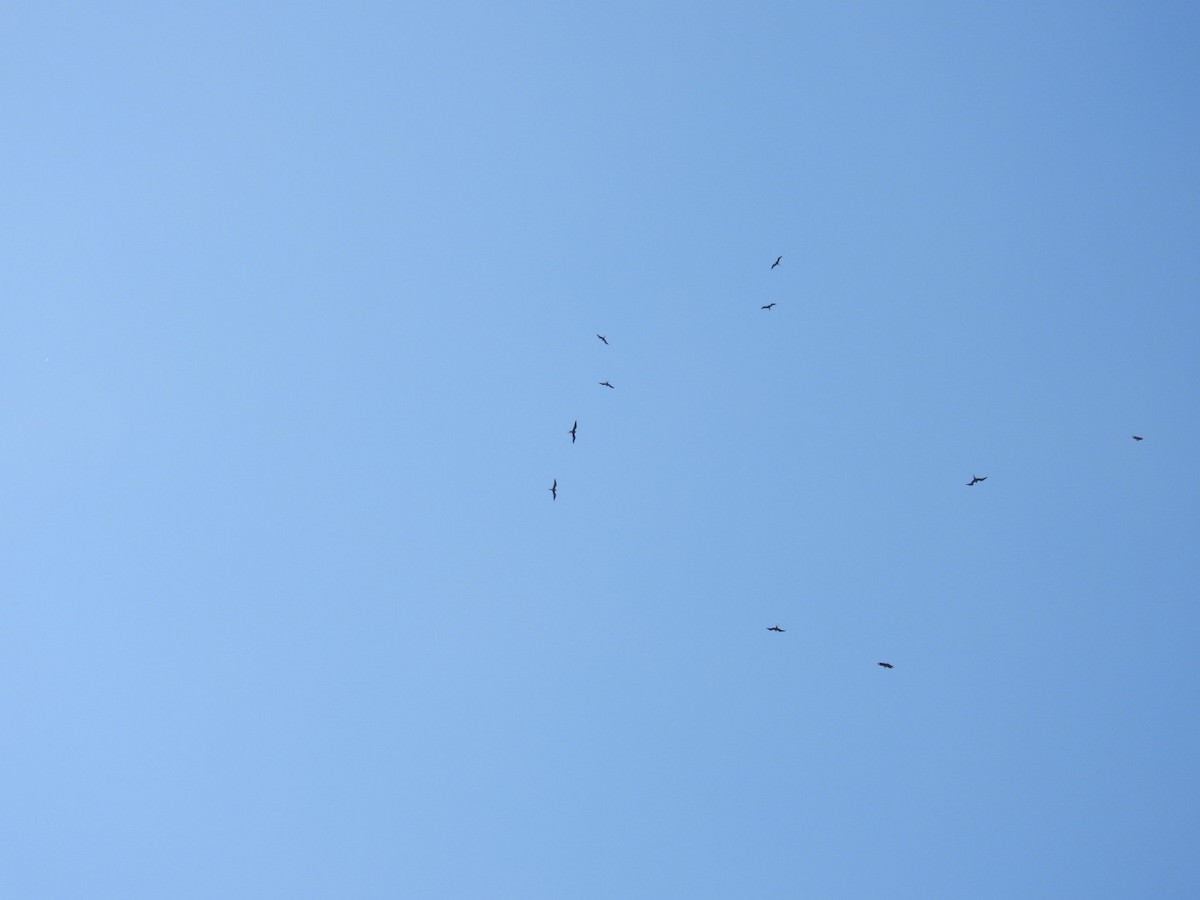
(554, 490)
(1138, 437)
(777, 628)
(603, 338)
(777, 259)
(976, 479)
(768, 306)
(572, 431)
(887, 665)
(606, 384)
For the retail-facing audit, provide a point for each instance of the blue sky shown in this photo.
(301, 302)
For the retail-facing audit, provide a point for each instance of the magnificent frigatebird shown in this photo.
(554, 490)
(572, 431)
(777, 628)
(768, 306)
(606, 384)
(603, 338)
(1138, 437)
(975, 479)
(887, 665)
(777, 259)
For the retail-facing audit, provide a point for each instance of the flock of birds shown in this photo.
(975, 479)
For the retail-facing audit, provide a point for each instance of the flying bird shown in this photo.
(777, 628)
(603, 338)
(768, 306)
(1138, 437)
(975, 479)
(606, 384)
(887, 665)
(572, 431)
(554, 490)
(777, 259)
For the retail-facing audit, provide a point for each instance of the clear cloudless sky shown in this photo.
(298, 302)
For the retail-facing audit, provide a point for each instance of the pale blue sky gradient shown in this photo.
(300, 302)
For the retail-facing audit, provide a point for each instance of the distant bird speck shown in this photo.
(777, 628)
(887, 665)
(606, 384)
(777, 259)
(554, 490)
(1138, 437)
(768, 306)
(975, 479)
(574, 428)
(603, 338)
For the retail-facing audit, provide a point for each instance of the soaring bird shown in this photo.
(572, 431)
(1138, 437)
(777, 628)
(606, 384)
(975, 479)
(768, 306)
(554, 490)
(777, 259)
(887, 665)
(603, 338)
